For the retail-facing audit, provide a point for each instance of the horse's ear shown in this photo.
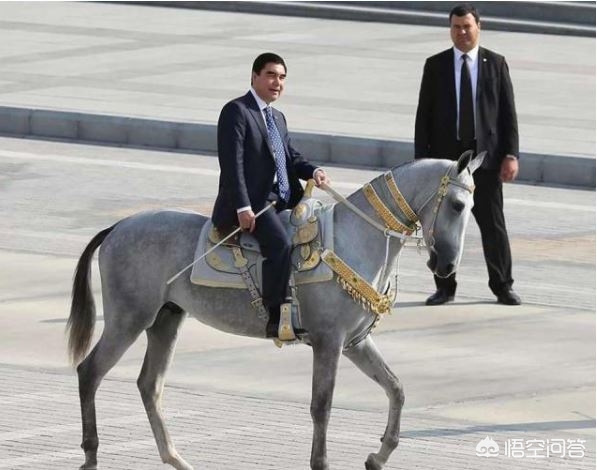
(476, 162)
(464, 160)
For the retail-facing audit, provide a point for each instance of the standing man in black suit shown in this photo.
(258, 164)
(466, 102)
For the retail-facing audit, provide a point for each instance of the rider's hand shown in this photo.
(246, 220)
(320, 178)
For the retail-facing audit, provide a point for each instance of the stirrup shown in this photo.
(285, 328)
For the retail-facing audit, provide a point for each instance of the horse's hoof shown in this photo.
(183, 466)
(179, 463)
(320, 464)
(373, 462)
(88, 466)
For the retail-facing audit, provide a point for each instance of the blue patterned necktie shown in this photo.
(279, 154)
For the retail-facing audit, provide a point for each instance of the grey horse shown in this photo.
(139, 253)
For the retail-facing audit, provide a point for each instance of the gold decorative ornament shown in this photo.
(399, 198)
(357, 287)
(239, 259)
(305, 251)
(216, 237)
(386, 215)
(311, 262)
(299, 211)
(305, 233)
(285, 329)
(216, 262)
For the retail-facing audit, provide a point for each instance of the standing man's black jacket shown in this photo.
(496, 124)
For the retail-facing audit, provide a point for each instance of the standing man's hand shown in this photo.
(321, 177)
(509, 169)
(246, 220)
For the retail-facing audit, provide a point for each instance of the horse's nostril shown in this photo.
(450, 268)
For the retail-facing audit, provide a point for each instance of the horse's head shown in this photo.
(444, 214)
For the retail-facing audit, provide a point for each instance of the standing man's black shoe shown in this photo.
(509, 297)
(441, 296)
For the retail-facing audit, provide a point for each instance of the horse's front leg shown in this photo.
(326, 355)
(368, 359)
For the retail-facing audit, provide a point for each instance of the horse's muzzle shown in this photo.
(445, 271)
(437, 269)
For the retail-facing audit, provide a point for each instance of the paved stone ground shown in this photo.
(471, 369)
(40, 428)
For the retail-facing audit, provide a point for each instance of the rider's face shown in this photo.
(269, 83)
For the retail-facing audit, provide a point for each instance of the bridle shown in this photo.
(441, 193)
(392, 227)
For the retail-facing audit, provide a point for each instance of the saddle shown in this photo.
(310, 227)
(237, 263)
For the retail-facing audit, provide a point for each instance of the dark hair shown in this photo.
(267, 58)
(464, 9)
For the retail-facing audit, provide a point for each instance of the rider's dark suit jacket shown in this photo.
(247, 161)
(496, 131)
(247, 170)
(496, 124)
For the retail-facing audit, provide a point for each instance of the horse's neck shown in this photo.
(359, 244)
(418, 181)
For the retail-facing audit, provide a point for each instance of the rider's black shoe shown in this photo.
(271, 330)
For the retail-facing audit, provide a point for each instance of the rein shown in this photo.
(387, 231)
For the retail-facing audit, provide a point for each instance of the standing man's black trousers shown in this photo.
(489, 214)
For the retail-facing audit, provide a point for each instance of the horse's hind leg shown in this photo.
(368, 359)
(161, 341)
(106, 353)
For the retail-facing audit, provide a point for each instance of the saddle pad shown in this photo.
(204, 275)
(229, 277)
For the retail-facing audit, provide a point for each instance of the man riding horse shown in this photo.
(258, 165)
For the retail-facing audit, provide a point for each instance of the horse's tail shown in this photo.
(81, 321)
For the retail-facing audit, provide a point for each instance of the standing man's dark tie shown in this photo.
(466, 123)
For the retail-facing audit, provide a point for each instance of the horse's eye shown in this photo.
(458, 206)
